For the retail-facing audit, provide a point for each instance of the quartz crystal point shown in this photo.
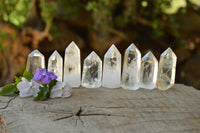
(112, 68)
(72, 66)
(149, 70)
(55, 64)
(131, 68)
(166, 70)
(92, 71)
(35, 60)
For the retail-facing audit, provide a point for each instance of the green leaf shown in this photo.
(9, 89)
(17, 80)
(28, 75)
(42, 94)
(53, 82)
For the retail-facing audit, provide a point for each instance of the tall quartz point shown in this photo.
(131, 68)
(92, 71)
(149, 70)
(72, 65)
(112, 68)
(35, 60)
(55, 64)
(166, 70)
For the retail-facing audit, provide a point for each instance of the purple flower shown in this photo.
(43, 76)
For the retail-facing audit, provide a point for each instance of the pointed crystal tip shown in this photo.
(170, 52)
(54, 55)
(112, 51)
(72, 46)
(131, 47)
(149, 55)
(113, 47)
(92, 55)
(35, 53)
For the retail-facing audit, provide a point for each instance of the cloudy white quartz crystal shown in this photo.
(61, 89)
(112, 68)
(166, 70)
(131, 68)
(55, 64)
(92, 71)
(72, 65)
(35, 60)
(149, 70)
(27, 88)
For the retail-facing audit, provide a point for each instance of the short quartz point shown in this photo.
(72, 65)
(55, 64)
(35, 60)
(131, 68)
(92, 71)
(112, 68)
(149, 70)
(166, 70)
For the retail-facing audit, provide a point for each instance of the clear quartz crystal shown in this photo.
(166, 70)
(55, 64)
(131, 68)
(35, 60)
(112, 68)
(72, 65)
(92, 71)
(149, 70)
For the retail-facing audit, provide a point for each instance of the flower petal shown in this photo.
(51, 75)
(39, 73)
(45, 79)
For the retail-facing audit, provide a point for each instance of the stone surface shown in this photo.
(35, 60)
(131, 68)
(149, 70)
(112, 68)
(166, 70)
(72, 65)
(92, 71)
(55, 64)
(102, 110)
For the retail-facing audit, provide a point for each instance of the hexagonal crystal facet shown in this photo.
(72, 65)
(131, 68)
(35, 60)
(149, 70)
(55, 64)
(166, 70)
(112, 68)
(92, 71)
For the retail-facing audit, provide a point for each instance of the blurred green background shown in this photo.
(97, 24)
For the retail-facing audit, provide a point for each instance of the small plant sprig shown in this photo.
(41, 86)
